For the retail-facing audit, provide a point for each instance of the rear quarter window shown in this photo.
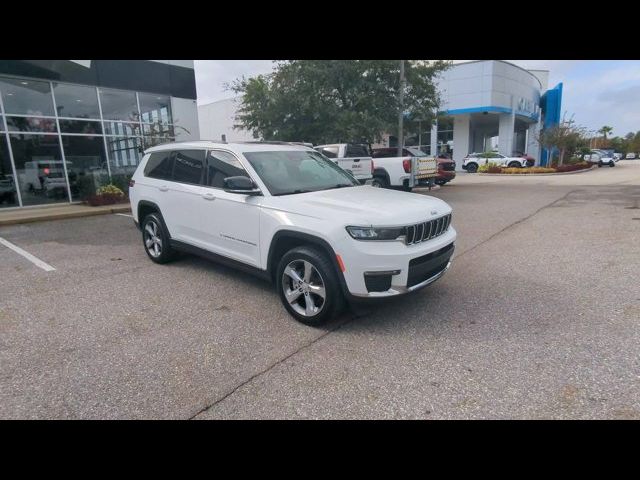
(356, 151)
(159, 165)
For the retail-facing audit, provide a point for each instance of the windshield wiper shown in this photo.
(291, 193)
(339, 185)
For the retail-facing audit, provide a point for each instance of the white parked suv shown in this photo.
(473, 161)
(290, 215)
(601, 158)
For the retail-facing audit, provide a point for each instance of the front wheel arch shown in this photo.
(285, 240)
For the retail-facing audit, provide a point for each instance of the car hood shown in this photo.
(364, 205)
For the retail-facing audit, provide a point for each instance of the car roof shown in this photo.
(238, 147)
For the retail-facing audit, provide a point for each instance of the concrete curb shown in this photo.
(25, 216)
(518, 175)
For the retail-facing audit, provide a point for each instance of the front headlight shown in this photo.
(376, 233)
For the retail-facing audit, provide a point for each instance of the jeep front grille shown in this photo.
(421, 232)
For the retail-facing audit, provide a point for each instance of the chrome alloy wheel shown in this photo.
(303, 287)
(152, 240)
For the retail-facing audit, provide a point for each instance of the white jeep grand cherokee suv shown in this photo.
(289, 214)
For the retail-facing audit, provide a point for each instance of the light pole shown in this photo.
(401, 109)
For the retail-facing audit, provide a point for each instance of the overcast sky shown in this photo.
(596, 92)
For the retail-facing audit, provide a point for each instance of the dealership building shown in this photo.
(65, 121)
(485, 105)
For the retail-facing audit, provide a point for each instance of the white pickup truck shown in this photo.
(389, 170)
(351, 157)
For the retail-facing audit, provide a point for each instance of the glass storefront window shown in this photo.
(26, 97)
(76, 101)
(8, 193)
(80, 126)
(39, 168)
(122, 128)
(119, 105)
(155, 108)
(1, 123)
(124, 154)
(157, 130)
(149, 142)
(32, 124)
(86, 164)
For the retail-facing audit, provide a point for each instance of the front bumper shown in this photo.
(446, 175)
(364, 258)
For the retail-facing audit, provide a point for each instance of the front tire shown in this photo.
(515, 165)
(308, 286)
(472, 168)
(155, 239)
(612, 163)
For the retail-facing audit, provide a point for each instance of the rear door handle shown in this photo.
(208, 196)
(163, 188)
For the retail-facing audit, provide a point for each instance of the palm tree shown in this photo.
(605, 130)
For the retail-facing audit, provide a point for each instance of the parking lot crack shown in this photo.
(517, 222)
(269, 368)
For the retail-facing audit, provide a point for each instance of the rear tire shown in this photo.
(155, 239)
(308, 286)
(612, 163)
(379, 182)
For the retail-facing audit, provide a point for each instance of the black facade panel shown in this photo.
(139, 75)
(134, 75)
(183, 82)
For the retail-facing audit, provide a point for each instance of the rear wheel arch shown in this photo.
(146, 207)
(382, 173)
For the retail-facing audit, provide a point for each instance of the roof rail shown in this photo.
(278, 142)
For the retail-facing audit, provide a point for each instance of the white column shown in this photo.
(434, 139)
(505, 134)
(533, 147)
(460, 139)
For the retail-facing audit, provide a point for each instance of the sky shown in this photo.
(595, 92)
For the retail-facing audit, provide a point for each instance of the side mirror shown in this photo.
(242, 185)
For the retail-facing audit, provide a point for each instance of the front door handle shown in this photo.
(209, 196)
(163, 188)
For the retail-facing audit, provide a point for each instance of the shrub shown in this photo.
(488, 166)
(110, 189)
(121, 181)
(104, 199)
(574, 167)
(524, 171)
(86, 185)
(106, 195)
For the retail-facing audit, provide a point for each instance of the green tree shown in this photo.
(567, 137)
(604, 131)
(324, 101)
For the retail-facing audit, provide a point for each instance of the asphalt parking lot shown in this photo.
(539, 317)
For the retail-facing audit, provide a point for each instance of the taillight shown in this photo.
(406, 164)
(46, 171)
(132, 182)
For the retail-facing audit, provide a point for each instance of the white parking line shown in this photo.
(124, 215)
(36, 261)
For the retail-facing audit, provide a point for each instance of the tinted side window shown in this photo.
(221, 165)
(329, 152)
(356, 151)
(159, 165)
(188, 166)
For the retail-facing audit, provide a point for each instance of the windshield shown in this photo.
(298, 171)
